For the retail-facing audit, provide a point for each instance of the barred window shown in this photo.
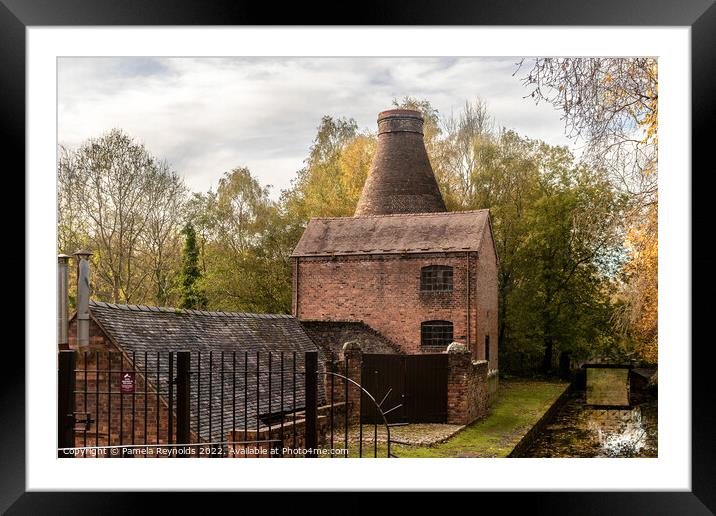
(435, 333)
(436, 278)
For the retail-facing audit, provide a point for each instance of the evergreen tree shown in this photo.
(191, 295)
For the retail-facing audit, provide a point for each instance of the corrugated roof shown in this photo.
(148, 329)
(396, 233)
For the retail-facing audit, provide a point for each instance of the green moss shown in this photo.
(521, 403)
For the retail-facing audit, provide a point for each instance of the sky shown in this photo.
(206, 116)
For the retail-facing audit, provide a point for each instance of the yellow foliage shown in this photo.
(332, 188)
(643, 286)
(354, 164)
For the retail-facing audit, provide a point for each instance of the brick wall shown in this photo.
(384, 292)
(114, 424)
(98, 340)
(487, 299)
(493, 384)
(113, 421)
(468, 393)
(272, 442)
(349, 364)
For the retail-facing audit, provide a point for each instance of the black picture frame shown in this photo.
(700, 15)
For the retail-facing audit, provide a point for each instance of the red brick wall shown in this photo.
(291, 437)
(383, 291)
(353, 356)
(113, 422)
(97, 338)
(487, 296)
(468, 396)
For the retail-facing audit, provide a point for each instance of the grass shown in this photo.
(520, 404)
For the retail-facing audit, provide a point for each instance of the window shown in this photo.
(436, 278)
(487, 348)
(436, 333)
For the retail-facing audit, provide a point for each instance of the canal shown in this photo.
(578, 430)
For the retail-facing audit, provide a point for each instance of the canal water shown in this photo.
(581, 431)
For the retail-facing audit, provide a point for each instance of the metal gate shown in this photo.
(225, 404)
(418, 383)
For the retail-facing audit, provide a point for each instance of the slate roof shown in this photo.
(331, 335)
(155, 330)
(393, 234)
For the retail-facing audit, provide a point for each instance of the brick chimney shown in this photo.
(401, 179)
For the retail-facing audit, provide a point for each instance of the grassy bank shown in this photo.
(520, 405)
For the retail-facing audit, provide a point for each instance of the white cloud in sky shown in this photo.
(206, 116)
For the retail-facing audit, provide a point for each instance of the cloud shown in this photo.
(206, 116)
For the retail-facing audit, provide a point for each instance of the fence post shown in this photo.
(311, 365)
(171, 438)
(66, 401)
(183, 393)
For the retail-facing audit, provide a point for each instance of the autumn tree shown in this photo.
(553, 221)
(565, 283)
(463, 152)
(554, 227)
(637, 314)
(245, 250)
(507, 182)
(337, 165)
(160, 240)
(611, 104)
(119, 201)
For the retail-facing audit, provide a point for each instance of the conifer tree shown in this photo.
(191, 295)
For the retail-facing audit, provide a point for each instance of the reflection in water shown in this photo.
(580, 431)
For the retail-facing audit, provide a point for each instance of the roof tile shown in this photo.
(155, 330)
(396, 233)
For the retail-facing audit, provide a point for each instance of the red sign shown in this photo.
(127, 384)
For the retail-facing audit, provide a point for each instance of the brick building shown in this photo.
(419, 275)
(402, 276)
(139, 337)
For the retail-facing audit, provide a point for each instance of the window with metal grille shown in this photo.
(435, 333)
(436, 278)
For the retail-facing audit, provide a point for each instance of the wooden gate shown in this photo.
(416, 385)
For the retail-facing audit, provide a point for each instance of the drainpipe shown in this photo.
(296, 270)
(83, 292)
(467, 301)
(62, 285)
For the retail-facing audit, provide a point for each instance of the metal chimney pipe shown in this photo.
(83, 292)
(62, 300)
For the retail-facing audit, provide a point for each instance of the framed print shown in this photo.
(443, 241)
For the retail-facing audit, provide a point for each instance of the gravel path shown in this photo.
(423, 434)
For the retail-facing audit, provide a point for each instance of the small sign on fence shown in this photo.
(127, 384)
